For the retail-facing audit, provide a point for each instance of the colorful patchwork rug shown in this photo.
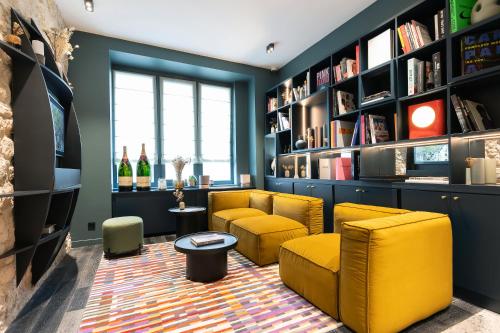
(149, 293)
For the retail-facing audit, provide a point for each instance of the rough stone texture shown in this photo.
(492, 150)
(12, 298)
(401, 161)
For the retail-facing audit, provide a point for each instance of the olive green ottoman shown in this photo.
(122, 235)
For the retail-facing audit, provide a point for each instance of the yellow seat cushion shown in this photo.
(310, 267)
(303, 209)
(260, 237)
(394, 271)
(346, 212)
(223, 218)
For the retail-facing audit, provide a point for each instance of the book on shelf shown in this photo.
(345, 102)
(357, 59)
(480, 51)
(420, 76)
(423, 75)
(204, 240)
(376, 97)
(428, 180)
(355, 135)
(342, 133)
(436, 69)
(283, 121)
(460, 13)
(379, 130)
(272, 104)
(439, 25)
(413, 35)
(472, 116)
(323, 78)
(380, 48)
(346, 69)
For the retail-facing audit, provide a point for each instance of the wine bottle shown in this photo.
(143, 172)
(125, 173)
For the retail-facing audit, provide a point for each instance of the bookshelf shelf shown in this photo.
(15, 53)
(392, 76)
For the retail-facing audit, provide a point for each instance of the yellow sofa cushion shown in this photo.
(260, 237)
(223, 218)
(310, 267)
(346, 212)
(394, 271)
(306, 210)
(261, 200)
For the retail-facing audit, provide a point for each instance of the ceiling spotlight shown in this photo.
(89, 5)
(270, 48)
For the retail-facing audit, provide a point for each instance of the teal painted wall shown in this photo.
(90, 75)
(361, 24)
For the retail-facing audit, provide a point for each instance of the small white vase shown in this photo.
(182, 205)
(467, 176)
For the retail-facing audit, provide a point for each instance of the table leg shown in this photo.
(206, 267)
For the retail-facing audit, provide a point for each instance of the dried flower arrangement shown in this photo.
(59, 40)
(179, 163)
(179, 195)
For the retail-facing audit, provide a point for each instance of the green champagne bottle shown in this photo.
(125, 173)
(143, 172)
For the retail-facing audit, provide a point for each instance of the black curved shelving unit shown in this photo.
(46, 186)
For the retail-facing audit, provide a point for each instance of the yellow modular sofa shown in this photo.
(263, 220)
(387, 269)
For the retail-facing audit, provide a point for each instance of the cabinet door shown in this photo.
(325, 192)
(346, 193)
(375, 196)
(285, 187)
(302, 188)
(428, 201)
(271, 185)
(476, 243)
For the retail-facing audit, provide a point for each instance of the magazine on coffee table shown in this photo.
(206, 240)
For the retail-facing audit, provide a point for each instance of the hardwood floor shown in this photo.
(59, 303)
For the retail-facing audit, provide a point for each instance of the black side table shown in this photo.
(187, 220)
(206, 263)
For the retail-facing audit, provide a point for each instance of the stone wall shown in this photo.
(47, 15)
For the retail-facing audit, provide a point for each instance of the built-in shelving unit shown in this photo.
(482, 86)
(46, 184)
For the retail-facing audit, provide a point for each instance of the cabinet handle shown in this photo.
(443, 197)
(358, 190)
(363, 191)
(456, 198)
(312, 186)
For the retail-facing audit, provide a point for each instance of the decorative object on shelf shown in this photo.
(310, 138)
(272, 104)
(48, 229)
(179, 197)
(179, 163)
(162, 184)
(287, 169)
(484, 9)
(296, 167)
(125, 181)
(431, 154)
(300, 143)
(480, 51)
(59, 40)
(245, 180)
(468, 176)
(460, 14)
(39, 49)
(204, 181)
(273, 166)
(302, 171)
(477, 171)
(143, 182)
(343, 168)
(326, 168)
(192, 181)
(58, 121)
(490, 171)
(14, 41)
(426, 119)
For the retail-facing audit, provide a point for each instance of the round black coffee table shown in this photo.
(206, 263)
(187, 220)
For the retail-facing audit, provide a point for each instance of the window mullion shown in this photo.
(159, 123)
(197, 135)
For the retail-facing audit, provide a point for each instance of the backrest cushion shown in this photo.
(228, 200)
(346, 212)
(261, 200)
(306, 210)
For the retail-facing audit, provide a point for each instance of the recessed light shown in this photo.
(89, 5)
(270, 48)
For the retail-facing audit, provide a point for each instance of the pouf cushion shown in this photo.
(260, 237)
(310, 267)
(122, 234)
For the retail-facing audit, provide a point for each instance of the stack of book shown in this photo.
(283, 121)
(413, 35)
(374, 129)
(424, 75)
(347, 68)
(480, 51)
(323, 78)
(344, 102)
(272, 104)
(344, 133)
(204, 240)
(472, 116)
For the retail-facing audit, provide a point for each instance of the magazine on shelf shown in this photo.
(203, 240)
(378, 128)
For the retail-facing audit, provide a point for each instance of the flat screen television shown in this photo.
(58, 119)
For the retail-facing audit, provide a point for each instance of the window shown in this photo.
(173, 117)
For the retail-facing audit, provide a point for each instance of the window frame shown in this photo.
(159, 166)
